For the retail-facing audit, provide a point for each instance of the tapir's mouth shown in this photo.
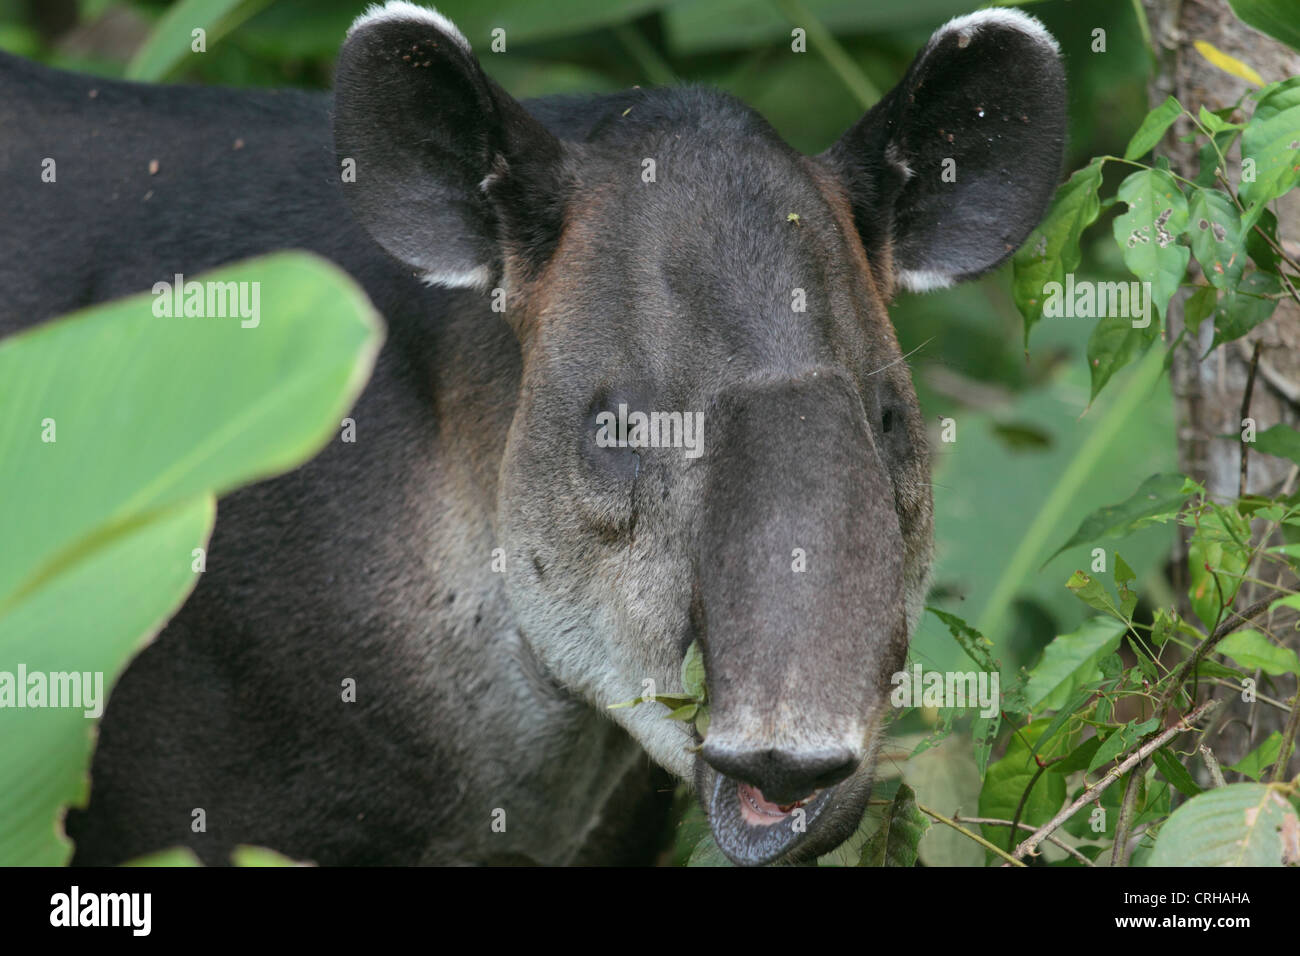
(752, 830)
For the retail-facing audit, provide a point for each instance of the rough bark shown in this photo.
(1209, 392)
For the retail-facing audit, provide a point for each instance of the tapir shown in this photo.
(487, 575)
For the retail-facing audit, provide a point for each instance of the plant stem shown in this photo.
(1145, 29)
(1119, 851)
(1212, 764)
(1258, 696)
(994, 822)
(1011, 861)
(1020, 807)
(1288, 740)
(1111, 776)
(1220, 632)
(1245, 413)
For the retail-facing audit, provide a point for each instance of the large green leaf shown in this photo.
(1255, 763)
(1242, 824)
(1252, 650)
(1241, 309)
(945, 778)
(209, 405)
(1147, 232)
(1071, 661)
(900, 833)
(90, 619)
(1052, 249)
(1153, 128)
(1009, 780)
(1158, 499)
(1215, 230)
(149, 416)
(1280, 440)
(1272, 140)
(1277, 18)
(1115, 342)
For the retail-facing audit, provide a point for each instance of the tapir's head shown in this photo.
(671, 254)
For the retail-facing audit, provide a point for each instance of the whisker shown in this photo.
(902, 358)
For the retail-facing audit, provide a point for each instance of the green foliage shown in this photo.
(692, 705)
(976, 646)
(1253, 651)
(259, 856)
(1216, 238)
(1082, 678)
(1052, 249)
(177, 856)
(91, 570)
(1242, 824)
(1156, 215)
(1269, 139)
(899, 836)
(1016, 788)
(1280, 440)
(1169, 218)
(1258, 761)
(1217, 557)
(1157, 500)
(1152, 130)
(1277, 18)
(172, 39)
(1173, 771)
(1071, 661)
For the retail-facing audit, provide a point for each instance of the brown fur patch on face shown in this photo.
(551, 293)
(878, 268)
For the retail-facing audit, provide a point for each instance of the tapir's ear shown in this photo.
(452, 175)
(957, 164)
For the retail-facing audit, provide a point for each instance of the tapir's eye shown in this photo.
(604, 439)
(887, 420)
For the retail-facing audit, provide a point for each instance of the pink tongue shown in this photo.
(754, 809)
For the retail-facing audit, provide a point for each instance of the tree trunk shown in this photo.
(1209, 394)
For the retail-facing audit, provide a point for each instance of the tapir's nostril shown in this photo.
(783, 776)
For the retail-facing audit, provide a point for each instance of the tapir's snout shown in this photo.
(783, 775)
(801, 586)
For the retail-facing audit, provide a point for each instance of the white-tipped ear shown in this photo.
(1005, 17)
(954, 167)
(451, 174)
(923, 280)
(478, 278)
(401, 10)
